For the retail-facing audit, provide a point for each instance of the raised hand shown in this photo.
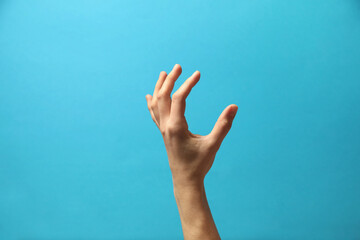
(190, 155)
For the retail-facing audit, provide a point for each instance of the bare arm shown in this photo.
(190, 155)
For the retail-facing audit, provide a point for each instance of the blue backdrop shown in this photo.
(80, 157)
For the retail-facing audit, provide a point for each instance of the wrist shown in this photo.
(182, 182)
(188, 189)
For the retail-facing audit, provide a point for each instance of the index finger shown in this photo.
(178, 98)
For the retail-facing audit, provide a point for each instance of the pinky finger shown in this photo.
(148, 100)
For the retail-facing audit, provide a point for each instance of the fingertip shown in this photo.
(233, 110)
(178, 66)
(235, 107)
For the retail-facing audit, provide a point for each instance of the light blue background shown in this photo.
(82, 159)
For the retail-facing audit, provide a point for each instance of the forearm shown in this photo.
(196, 219)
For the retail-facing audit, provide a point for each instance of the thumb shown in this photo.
(223, 124)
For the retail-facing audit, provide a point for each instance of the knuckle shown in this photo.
(213, 143)
(173, 128)
(225, 122)
(162, 130)
(161, 94)
(177, 96)
(153, 105)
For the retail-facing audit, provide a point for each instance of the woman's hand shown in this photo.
(190, 155)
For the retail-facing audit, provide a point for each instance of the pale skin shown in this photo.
(190, 155)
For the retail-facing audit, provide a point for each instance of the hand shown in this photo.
(190, 155)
